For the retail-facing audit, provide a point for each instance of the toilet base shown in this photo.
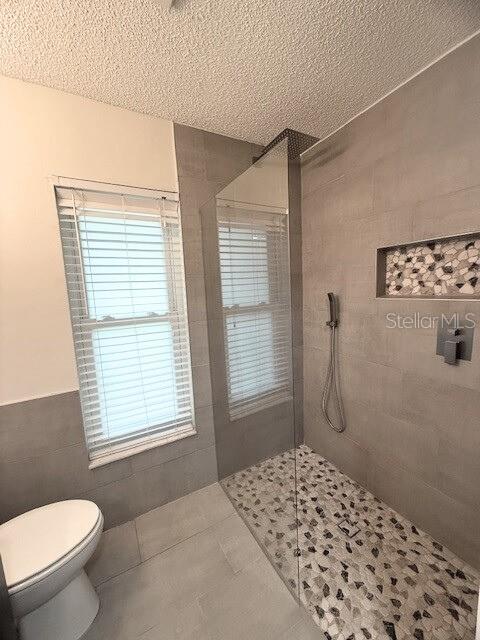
(66, 616)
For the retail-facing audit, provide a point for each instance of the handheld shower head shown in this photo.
(332, 384)
(333, 322)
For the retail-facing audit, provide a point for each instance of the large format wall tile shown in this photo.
(404, 171)
(39, 426)
(205, 438)
(57, 475)
(117, 552)
(118, 501)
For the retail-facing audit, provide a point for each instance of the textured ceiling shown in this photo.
(245, 68)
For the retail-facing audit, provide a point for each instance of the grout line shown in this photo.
(138, 541)
(185, 455)
(48, 452)
(138, 471)
(115, 575)
(323, 186)
(81, 443)
(159, 553)
(143, 561)
(175, 544)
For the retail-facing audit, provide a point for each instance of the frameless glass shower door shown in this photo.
(247, 260)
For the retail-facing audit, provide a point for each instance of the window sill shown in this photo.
(144, 445)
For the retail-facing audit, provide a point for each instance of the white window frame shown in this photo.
(135, 444)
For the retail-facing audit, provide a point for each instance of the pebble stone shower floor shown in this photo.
(365, 571)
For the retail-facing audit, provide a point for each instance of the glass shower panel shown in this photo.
(248, 286)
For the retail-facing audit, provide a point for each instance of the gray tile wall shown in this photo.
(216, 161)
(44, 459)
(406, 170)
(42, 452)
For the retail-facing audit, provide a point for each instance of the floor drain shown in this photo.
(349, 527)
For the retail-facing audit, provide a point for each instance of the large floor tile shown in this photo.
(255, 605)
(118, 551)
(176, 521)
(168, 525)
(214, 503)
(188, 629)
(199, 633)
(138, 600)
(237, 543)
(179, 623)
(306, 629)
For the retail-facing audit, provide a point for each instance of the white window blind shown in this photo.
(124, 270)
(255, 279)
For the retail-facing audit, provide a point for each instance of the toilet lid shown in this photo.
(32, 542)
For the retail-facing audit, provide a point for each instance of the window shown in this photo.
(254, 270)
(124, 270)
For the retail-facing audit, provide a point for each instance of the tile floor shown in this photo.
(365, 571)
(191, 570)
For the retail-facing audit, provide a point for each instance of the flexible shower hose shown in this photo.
(332, 383)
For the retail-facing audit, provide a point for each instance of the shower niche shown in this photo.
(447, 267)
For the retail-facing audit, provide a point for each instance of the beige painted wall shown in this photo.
(45, 132)
(406, 170)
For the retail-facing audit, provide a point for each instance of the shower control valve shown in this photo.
(455, 343)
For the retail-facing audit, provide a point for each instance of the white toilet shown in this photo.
(43, 553)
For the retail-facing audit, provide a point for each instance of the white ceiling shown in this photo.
(245, 68)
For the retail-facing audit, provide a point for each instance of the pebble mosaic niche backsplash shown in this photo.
(448, 268)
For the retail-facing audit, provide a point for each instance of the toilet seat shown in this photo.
(38, 543)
